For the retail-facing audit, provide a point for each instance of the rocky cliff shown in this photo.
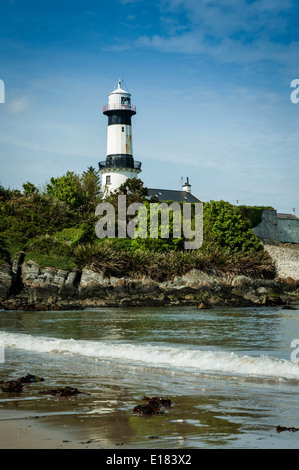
(26, 286)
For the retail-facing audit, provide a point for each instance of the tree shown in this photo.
(136, 192)
(91, 185)
(29, 189)
(68, 188)
(80, 192)
(133, 189)
(3, 192)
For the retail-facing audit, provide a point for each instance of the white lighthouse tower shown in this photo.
(119, 164)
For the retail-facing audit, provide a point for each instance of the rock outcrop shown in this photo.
(27, 286)
(5, 280)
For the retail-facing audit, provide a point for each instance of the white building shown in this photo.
(119, 164)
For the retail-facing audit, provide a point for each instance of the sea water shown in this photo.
(231, 374)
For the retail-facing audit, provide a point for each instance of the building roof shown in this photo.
(287, 216)
(172, 195)
(120, 90)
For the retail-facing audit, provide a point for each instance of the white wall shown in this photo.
(119, 139)
(117, 178)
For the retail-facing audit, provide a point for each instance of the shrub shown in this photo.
(100, 256)
(29, 189)
(224, 226)
(57, 228)
(70, 236)
(46, 250)
(76, 190)
(103, 257)
(49, 244)
(253, 214)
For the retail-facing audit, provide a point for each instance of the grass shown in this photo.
(165, 266)
(113, 260)
(53, 261)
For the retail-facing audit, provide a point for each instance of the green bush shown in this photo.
(57, 228)
(253, 214)
(4, 255)
(49, 244)
(224, 226)
(118, 244)
(77, 191)
(70, 236)
(158, 245)
(46, 250)
(29, 189)
(25, 218)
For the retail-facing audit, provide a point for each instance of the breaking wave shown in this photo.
(153, 355)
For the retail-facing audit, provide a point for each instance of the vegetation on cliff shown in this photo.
(55, 227)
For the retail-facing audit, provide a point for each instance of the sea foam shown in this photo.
(155, 355)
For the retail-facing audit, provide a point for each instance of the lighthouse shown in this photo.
(119, 164)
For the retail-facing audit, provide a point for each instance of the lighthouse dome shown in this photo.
(119, 99)
(119, 90)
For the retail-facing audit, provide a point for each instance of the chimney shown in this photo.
(187, 186)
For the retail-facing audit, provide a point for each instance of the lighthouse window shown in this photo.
(125, 100)
(108, 179)
(123, 129)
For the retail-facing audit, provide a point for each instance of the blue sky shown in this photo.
(210, 80)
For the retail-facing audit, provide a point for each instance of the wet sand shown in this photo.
(229, 387)
(26, 433)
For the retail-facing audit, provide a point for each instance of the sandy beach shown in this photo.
(229, 387)
(26, 433)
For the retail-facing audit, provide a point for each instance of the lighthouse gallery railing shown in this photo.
(104, 164)
(109, 107)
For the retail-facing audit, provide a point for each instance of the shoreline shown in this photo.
(195, 289)
(30, 433)
(103, 418)
(49, 289)
(45, 289)
(27, 286)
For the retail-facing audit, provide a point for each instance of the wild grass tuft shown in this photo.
(105, 259)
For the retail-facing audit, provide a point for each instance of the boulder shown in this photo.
(203, 306)
(5, 280)
(92, 284)
(196, 278)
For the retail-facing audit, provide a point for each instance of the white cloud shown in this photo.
(226, 51)
(233, 31)
(231, 16)
(188, 43)
(18, 105)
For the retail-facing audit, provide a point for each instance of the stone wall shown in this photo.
(286, 259)
(268, 228)
(288, 230)
(277, 230)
